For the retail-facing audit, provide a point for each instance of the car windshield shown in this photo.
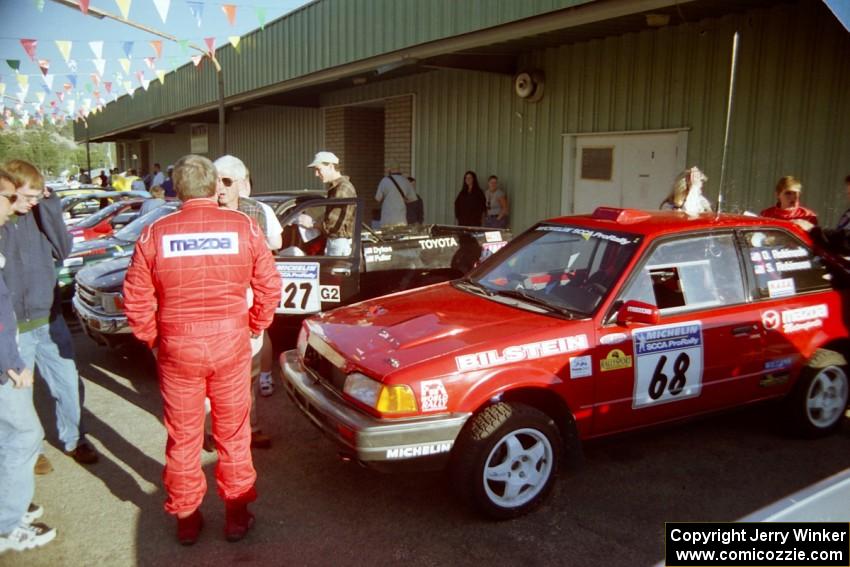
(567, 269)
(131, 232)
(95, 218)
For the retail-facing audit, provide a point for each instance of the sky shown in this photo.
(22, 19)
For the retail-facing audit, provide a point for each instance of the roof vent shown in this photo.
(620, 216)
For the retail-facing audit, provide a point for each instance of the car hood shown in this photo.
(105, 276)
(397, 333)
(101, 246)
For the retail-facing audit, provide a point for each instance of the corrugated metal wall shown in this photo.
(791, 113)
(276, 144)
(321, 35)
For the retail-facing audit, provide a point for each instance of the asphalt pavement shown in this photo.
(317, 510)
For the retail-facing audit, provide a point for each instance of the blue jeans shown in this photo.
(49, 348)
(20, 440)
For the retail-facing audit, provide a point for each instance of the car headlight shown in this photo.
(393, 398)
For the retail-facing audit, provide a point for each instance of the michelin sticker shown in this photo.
(300, 287)
(433, 395)
(795, 320)
(411, 451)
(581, 367)
(668, 363)
(516, 353)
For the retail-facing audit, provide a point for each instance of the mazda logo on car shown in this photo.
(770, 319)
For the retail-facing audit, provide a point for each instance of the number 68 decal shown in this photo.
(668, 364)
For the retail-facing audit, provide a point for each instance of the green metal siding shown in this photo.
(790, 117)
(321, 35)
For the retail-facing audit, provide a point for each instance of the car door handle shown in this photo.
(341, 271)
(745, 330)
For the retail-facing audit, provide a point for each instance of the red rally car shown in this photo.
(581, 327)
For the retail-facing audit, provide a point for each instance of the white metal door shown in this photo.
(625, 170)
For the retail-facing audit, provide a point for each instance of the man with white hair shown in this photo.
(338, 224)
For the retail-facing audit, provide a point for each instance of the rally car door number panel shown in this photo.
(299, 286)
(668, 363)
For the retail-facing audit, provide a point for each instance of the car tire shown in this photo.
(512, 441)
(819, 399)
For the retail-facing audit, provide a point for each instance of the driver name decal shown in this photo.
(529, 351)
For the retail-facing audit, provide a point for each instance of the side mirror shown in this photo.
(637, 312)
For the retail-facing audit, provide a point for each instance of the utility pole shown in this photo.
(101, 14)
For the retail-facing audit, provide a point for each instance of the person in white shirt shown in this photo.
(394, 192)
(158, 176)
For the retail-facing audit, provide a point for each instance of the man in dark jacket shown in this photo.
(33, 239)
(20, 430)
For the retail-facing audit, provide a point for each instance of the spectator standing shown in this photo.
(168, 184)
(470, 202)
(156, 200)
(686, 195)
(32, 241)
(20, 429)
(136, 182)
(187, 303)
(497, 205)
(158, 176)
(394, 193)
(338, 225)
(788, 205)
(231, 167)
(104, 181)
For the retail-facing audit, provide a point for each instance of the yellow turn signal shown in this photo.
(396, 399)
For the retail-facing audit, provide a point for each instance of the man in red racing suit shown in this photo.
(184, 296)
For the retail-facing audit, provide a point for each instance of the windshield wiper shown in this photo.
(536, 301)
(474, 287)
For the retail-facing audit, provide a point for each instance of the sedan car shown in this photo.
(106, 220)
(579, 328)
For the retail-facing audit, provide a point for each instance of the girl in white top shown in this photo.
(686, 194)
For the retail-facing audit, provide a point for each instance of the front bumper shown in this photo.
(416, 443)
(100, 327)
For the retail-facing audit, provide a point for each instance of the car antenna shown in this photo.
(732, 70)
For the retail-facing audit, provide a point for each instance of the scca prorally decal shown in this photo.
(200, 244)
(530, 351)
(447, 242)
(587, 234)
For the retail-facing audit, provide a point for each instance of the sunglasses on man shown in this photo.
(11, 197)
(227, 181)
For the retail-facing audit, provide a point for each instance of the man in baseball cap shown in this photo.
(338, 225)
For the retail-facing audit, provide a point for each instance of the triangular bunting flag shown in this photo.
(72, 65)
(67, 86)
(261, 16)
(128, 86)
(157, 47)
(229, 11)
(29, 46)
(210, 41)
(44, 65)
(100, 65)
(60, 95)
(234, 41)
(64, 48)
(39, 5)
(89, 88)
(124, 6)
(84, 6)
(108, 86)
(2, 89)
(150, 63)
(160, 74)
(23, 80)
(128, 48)
(196, 59)
(95, 79)
(145, 83)
(23, 90)
(197, 9)
(48, 80)
(73, 80)
(125, 64)
(40, 97)
(162, 8)
(14, 64)
(184, 46)
(97, 48)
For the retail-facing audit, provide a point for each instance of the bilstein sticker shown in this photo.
(615, 360)
(530, 351)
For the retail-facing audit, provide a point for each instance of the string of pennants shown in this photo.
(57, 101)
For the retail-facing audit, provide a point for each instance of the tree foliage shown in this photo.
(52, 149)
